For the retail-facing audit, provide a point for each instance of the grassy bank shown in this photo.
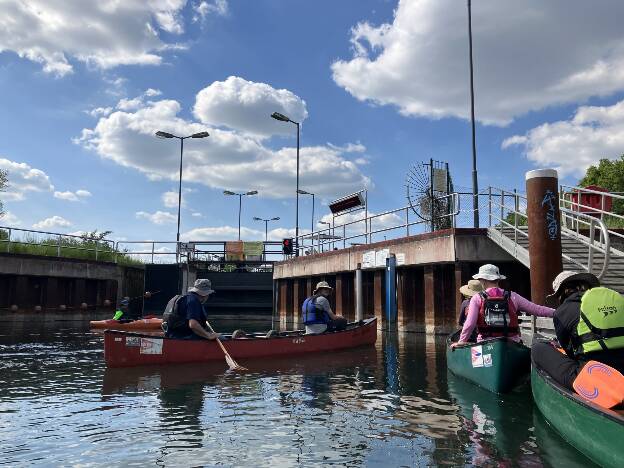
(69, 247)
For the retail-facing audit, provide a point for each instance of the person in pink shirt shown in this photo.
(499, 305)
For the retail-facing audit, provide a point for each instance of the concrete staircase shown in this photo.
(575, 253)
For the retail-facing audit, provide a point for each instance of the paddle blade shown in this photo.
(600, 384)
(233, 364)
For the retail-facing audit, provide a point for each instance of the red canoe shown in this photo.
(127, 349)
(136, 325)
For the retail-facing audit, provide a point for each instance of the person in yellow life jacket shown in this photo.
(589, 324)
(122, 309)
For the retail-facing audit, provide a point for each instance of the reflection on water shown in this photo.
(389, 405)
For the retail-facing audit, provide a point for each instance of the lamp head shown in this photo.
(161, 134)
(200, 135)
(252, 192)
(227, 192)
(255, 218)
(303, 192)
(280, 117)
(275, 219)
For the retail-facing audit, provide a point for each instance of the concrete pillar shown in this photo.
(430, 299)
(339, 295)
(348, 296)
(299, 295)
(359, 294)
(283, 302)
(378, 298)
(542, 189)
(390, 295)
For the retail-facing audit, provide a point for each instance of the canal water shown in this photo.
(389, 405)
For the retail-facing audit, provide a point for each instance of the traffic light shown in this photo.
(287, 246)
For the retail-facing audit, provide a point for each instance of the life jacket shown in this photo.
(312, 313)
(497, 316)
(601, 324)
(171, 317)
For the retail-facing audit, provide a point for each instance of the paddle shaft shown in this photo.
(219, 341)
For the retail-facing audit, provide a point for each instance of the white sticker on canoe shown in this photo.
(487, 360)
(476, 355)
(133, 341)
(151, 346)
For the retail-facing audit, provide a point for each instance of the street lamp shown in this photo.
(475, 184)
(240, 204)
(303, 192)
(283, 118)
(266, 225)
(166, 135)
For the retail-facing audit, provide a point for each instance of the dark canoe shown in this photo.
(127, 349)
(496, 364)
(596, 432)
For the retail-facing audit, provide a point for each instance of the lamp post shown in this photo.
(240, 204)
(283, 118)
(475, 184)
(266, 225)
(328, 225)
(166, 135)
(303, 192)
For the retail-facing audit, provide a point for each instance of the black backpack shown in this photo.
(171, 318)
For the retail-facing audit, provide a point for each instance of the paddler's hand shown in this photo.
(213, 336)
(456, 344)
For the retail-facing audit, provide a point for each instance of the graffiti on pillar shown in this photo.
(552, 224)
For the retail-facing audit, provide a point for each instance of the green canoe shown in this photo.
(596, 432)
(496, 364)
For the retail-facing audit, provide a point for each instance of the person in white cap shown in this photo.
(582, 303)
(184, 316)
(317, 314)
(494, 311)
(467, 291)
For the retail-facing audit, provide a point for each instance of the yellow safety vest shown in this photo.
(601, 325)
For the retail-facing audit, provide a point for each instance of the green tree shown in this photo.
(609, 173)
(4, 182)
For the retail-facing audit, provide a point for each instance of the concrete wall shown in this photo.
(428, 300)
(48, 282)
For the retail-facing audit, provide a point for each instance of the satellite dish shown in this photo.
(425, 184)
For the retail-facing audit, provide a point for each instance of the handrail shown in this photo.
(496, 204)
(327, 236)
(59, 245)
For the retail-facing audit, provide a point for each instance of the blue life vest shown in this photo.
(312, 313)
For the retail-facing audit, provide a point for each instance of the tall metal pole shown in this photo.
(312, 217)
(179, 201)
(266, 230)
(475, 184)
(297, 209)
(240, 204)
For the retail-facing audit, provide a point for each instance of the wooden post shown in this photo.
(542, 188)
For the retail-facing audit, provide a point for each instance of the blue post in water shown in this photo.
(391, 302)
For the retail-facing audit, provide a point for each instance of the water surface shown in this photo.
(389, 405)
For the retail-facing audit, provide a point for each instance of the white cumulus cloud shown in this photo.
(593, 133)
(72, 196)
(206, 8)
(159, 217)
(9, 219)
(228, 159)
(52, 223)
(528, 55)
(103, 33)
(22, 179)
(247, 106)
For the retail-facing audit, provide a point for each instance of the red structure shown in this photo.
(592, 203)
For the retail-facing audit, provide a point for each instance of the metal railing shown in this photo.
(369, 225)
(54, 242)
(508, 225)
(151, 251)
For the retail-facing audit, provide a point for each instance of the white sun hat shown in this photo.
(489, 272)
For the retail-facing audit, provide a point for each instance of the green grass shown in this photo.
(82, 249)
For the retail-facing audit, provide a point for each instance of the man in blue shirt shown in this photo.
(184, 316)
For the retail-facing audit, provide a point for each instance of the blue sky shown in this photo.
(379, 85)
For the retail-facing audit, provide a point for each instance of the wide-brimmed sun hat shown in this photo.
(203, 287)
(489, 272)
(567, 275)
(473, 287)
(323, 285)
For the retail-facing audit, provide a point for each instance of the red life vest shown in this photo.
(497, 316)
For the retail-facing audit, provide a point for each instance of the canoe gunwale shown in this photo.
(452, 339)
(549, 381)
(251, 337)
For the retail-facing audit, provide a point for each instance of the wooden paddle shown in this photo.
(230, 361)
(600, 384)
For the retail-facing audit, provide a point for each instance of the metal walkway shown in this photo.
(586, 239)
